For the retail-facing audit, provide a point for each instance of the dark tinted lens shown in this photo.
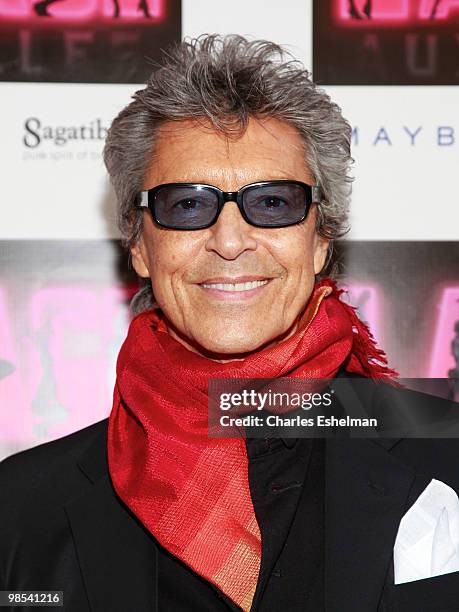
(185, 206)
(274, 205)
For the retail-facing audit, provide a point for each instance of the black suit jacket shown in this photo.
(62, 527)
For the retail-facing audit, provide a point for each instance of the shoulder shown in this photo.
(35, 486)
(431, 447)
(408, 411)
(47, 473)
(49, 457)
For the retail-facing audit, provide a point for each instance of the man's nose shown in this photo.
(230, 235)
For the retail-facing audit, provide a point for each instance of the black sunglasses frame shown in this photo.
(146, 199)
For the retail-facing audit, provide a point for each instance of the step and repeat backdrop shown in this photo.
(66, 69)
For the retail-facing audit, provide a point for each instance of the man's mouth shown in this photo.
(236, 286)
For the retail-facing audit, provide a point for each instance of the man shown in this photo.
(231, 172)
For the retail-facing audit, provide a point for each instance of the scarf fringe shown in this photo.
(372, 358)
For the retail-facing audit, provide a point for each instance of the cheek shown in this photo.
(295, 252)
(169, 256)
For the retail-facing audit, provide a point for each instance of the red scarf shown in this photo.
(191, 491)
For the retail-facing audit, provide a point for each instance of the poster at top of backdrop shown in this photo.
(84, 41)
(386, 42)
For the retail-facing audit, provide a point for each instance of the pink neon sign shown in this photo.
(57, 360)
(441, 358)
(368, 13)
(387, 9)
(443, 9)
(15, 396)
(47, 11)
(74, 344)
(132, 8)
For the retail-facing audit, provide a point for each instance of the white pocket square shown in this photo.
(427, 542)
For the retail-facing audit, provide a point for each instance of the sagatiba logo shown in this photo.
(36, 132)
(386, 42)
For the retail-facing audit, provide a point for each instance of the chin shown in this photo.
(234, 345)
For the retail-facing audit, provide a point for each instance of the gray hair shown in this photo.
(227, 80)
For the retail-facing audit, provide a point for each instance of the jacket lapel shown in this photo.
(117, 555)
(367, 491)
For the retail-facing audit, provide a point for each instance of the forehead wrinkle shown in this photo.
(238, 181)
(221, 164)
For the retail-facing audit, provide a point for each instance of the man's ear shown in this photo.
(139, 259)
(320, 252)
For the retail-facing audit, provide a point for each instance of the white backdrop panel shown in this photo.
(406, 151)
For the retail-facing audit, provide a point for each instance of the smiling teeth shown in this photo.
(235, 286)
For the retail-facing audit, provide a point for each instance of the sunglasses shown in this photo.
(191, 206)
